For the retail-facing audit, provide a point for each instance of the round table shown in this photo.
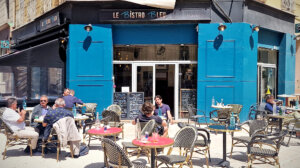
(112, 131)
(224, 129)
(161, 142)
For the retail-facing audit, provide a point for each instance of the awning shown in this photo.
(43, 55)
(164, 4)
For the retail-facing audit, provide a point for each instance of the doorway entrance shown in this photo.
(155, 79)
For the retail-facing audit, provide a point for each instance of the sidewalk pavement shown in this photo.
(16, 158)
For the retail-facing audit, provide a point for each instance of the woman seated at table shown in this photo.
(269, 104)
(147, 110)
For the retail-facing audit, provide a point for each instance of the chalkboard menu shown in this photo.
(121, 100)
(188, 97)
(135, 100)
(130, 103)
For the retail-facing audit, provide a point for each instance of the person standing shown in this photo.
(71, 100)
(15, 119)
(162, 109)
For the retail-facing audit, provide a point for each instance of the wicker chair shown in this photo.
(90, 111)
(116, 108)
(259, 148)
(255, 127)
(13, 140)
(184, 139)
(202, 145)
(91, 124)
(236, 109)
(2, 109)
(146, 127)
(193, 115)
(115, 119)
(220, 116)
(53, 142)
(294, 125)
(116, 157)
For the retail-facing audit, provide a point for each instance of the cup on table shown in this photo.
(105, 128)
(146, 135)
(155, 136)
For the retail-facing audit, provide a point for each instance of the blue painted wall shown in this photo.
(286, 66)
(89, 64)
(155, 34)
(227, 66)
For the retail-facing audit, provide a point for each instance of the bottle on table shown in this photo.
(24, 104)
(213, 101)
(97, 122)
(232, 120)
(138, 130)
(74, 111)
(274, 109)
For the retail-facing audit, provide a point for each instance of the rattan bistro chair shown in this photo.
(184, 140)
(254, 127)
(115, 119)
(90, 112)
(265, 148)
(236, 109)
(146, 127)
(220, 116)
(115, 156)
(116, 108)
(13, 140)
(193, 115)
(202, 144)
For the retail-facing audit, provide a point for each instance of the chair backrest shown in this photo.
(147, 127)
(252, 111)
(116, 108)
(256, 125)
(115, 154)
(191, 111)
(185, 137)
(91, 107)
(236, 108)
(8, 130)
(115, 117)
(2, 109)
(223, 113)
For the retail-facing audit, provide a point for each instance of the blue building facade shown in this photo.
(166, 52)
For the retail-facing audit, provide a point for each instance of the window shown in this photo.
(46, 81)
(13, 81)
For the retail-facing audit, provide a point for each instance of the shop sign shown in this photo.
(4, 44)
(133, 14)
(49, 22)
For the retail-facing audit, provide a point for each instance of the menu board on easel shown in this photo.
(121, 100)
(135, 102)
(188, 97)
(130, 103)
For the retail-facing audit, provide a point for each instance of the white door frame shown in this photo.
(264, 65)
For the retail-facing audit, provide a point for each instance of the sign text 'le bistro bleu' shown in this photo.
(133, 14)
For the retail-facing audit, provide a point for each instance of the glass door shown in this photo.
(266, 80)
(143, 80)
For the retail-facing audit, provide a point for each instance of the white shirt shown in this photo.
(10, 117)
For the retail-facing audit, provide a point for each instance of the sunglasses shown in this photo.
(43, 100)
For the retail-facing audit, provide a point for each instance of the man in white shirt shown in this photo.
(15, 118)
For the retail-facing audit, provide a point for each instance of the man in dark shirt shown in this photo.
(71, 100)
(162, 109)
(147, 110)
(54, 115)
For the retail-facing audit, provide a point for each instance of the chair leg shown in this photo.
(30, 147)
(208, 148)
(205, 154)
(89, 140)
(277, 162)
(4, 153)
(57, 152)
(231, 148)
(288, 144)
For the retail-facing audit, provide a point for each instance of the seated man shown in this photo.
(147, 110)
(38, 111)
(53, 116)
(269, 104)
(15, 120)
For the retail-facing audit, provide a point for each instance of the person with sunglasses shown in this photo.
(38, 111)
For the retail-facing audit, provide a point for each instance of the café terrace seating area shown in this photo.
(212, 144)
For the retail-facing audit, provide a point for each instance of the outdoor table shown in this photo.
(224, 129)
(286, 98)
(112, 131)
(221, 107)
(293, 109)
(279, 117)
(161, 142)
(76, 118)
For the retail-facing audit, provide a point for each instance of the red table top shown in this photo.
(110, 131)
(161, 142)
